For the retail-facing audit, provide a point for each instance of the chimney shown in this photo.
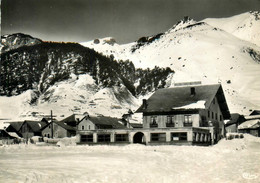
(144, 104)
(192, 91)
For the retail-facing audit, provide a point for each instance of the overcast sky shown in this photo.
(125, 20)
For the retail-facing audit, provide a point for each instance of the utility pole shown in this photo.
(51, 126)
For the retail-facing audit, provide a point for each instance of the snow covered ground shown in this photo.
(230, 161)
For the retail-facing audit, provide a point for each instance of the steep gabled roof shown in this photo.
(4, 134)
(36, 126)
(66, 127)
(236, 119)
(255, 112)
(170, 99)
(73, 118)
(15, 125)
(106, 121)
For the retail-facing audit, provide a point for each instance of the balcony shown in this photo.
(187, 124)
(154, 125)
(170, 125)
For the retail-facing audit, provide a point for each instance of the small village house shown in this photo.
(234, 122)
(99, 129)
(6, 138)
(251, 125)
(31, 128)
(57, 129)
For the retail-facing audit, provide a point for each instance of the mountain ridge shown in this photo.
(192, 46)
(107, 78)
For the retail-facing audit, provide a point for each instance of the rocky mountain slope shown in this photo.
(13, 41)
(69, 77)
(200, 51)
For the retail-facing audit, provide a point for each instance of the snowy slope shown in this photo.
(197, 51)
(76, 95)
(245, 26)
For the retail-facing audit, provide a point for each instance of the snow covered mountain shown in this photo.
(244, 26)
(38, 76)
(199, 51)
(13, 41)
(67, 77)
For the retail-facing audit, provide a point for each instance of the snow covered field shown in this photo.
(236, 160)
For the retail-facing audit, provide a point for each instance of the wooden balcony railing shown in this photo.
(153, 125)
(185, 124)
(170, 125)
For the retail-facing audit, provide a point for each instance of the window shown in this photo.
(170, 121)
(179, 136)
(103, 137)
(158, 137)
(153, 119)
(121, 137)
(89, 127)
(187, 120)
(87, 138)
(82, 127)
(220, 117)
(212, 115)
(208, 114)
(153, 122)
(216, 116)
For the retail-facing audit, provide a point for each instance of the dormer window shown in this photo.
(192, 91)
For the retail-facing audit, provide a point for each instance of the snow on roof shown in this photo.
(178, 98)
(13, 134)
(196, 105)
(252, 117)
(255, 123)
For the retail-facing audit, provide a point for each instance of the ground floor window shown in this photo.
(179, 136)
(103, 137)
(121, 137)
(161, 137)
(87, 138)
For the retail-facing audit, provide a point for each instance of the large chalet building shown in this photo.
(191, 115)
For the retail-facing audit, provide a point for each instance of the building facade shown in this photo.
(181, 115)
(58, 130)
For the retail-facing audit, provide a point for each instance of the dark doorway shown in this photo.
(139, 138)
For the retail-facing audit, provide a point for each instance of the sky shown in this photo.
(125, 20)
